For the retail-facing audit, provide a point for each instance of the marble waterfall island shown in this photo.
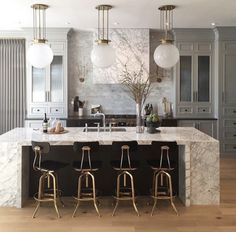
(198, 160)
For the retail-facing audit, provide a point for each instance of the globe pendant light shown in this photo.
(39, 53)
(103, 54)
(166, 55)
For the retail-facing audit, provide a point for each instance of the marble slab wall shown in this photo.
(133, 46)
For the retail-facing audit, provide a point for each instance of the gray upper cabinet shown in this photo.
(47, 87)
(194, 73)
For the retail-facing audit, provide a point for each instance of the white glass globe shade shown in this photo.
(39, 55)
(166, 55)
(103, 55)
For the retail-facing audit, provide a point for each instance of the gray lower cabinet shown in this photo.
(206, 126)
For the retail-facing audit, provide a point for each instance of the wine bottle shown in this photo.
(45, 124)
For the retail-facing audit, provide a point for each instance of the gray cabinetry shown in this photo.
(207, 126)
(194, 73)
(47, 87)
(227, 88)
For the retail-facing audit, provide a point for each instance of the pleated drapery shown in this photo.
(12, 84)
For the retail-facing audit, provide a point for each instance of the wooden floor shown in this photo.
(193, 219)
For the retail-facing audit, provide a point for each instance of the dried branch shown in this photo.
(139, 86)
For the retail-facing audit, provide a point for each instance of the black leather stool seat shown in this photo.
(125, 166)
(51, 165)
(95, 165)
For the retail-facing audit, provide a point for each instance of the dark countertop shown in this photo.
(128, 116)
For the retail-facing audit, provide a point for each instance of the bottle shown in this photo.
(45, 124)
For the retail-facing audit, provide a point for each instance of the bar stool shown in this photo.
(124, 190)
(48, 169)
(86, 167)
(162, 180)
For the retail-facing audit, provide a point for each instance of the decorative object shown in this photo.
(152, 122)
(139, 89)
(103, 54)
(167, 107)
(166, 55)
(39, 54)
(148, 109)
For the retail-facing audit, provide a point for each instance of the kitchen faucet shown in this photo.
(103, 118)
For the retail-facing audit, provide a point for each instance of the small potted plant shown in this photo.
(152, 122)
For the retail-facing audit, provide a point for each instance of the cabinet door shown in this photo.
(203, 80)
(185, 81)
(207, 127)
(229, 79)
(38, 85)
(56, 80)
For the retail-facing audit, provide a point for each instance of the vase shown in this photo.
(139, 119)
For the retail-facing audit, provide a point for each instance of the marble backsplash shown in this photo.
(140, 45)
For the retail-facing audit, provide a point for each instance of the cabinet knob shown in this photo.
(204, 110)
(234, 147)
(56, 110)
(38, 110)
(186, 110)
(234, 123)
(234, 111)
(234, 135)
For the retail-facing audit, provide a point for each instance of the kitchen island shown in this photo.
(198, 160)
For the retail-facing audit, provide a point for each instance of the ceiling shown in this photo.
(81, 14)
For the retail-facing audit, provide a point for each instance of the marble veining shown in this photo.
(198, 159)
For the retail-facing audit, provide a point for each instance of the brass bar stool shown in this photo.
(125, 190)
(48, 169)
(86, 167)
(162, 181)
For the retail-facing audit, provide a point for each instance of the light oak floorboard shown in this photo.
(193, 219)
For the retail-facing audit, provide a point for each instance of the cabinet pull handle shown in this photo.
(38, 110)
(234, 135)
(234, 111)
(234, 147)
(56, 110)
(196, 96)
(234, 123)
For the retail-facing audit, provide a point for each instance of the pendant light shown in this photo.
(39, 54)
(103, 54)
(166, 54)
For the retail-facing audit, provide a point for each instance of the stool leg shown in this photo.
(117, 194)
(133, 194)
(58, 193)
(155, 192)
(94, 194)
(78, 196)
(171, 195)
(55, 194)
(40, 193)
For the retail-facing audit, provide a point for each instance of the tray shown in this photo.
(57, 133)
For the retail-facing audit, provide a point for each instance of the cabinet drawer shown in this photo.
(56, 110)
(184, 110)
(203, 110)
(38, 110)
(230, 123)
(230, 111)
(229, 147)
(230, 135)
(33, 123)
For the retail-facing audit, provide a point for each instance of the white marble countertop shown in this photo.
(182, 135)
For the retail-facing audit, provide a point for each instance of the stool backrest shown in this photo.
(85, 148)
(39, 148)
(165, 150)
(125, 148)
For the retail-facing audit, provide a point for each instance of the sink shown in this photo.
(114, 129)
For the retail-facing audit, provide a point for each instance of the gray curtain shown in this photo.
(12, 84)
